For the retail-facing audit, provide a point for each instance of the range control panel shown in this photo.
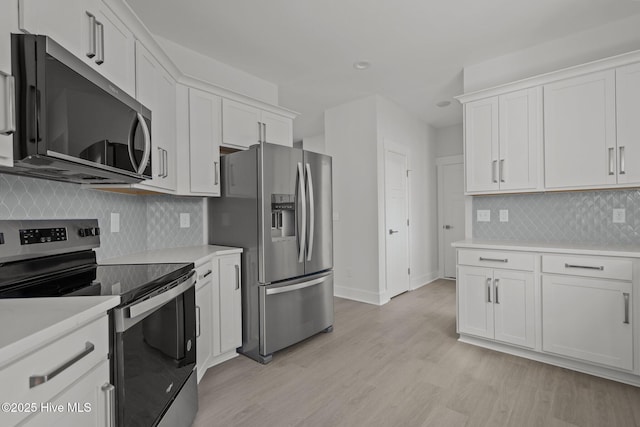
(43, 235)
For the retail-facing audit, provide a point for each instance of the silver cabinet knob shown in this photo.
(393, 231)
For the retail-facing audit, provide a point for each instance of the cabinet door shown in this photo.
(156, 90)
(230, 304)
(204, 142)
(9, 23)
(481, 145)
(65, 21)
(475, 301)
(628, 123)
(85, 403)
(588, 319)
(520, 139)
(204, 324)
(240, 124)
(116, 50)
(277, 129)
(514, 308)
(579, 131)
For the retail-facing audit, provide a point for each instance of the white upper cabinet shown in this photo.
(502, 142)
(8, 22)
(628, 123)
(244, 125)
(89, 30)
(580, 133)
(481, 145)
(156, 90)
(204, 142)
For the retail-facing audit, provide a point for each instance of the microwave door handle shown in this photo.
(147, 144)
(132, 137)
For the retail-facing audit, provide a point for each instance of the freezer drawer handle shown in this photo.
(588, 267)
(36, 380)
(295, 287)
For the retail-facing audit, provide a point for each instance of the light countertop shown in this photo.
(563, 248)
(28, 323)
(194, 254)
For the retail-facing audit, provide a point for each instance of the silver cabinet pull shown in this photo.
(92, 35)
(626, 308)
(100, 32)
(110, 412)
(622, 171)
(260, 132)
(198, 323)
(393, 231)
(447, 227)
(588, 267)
(206, 274)
(237, 268)
(161, 159)
(502, 170)
(495, 283)
(36, 380)
(611, 162)
(493, 259)
(216, 173)
(489, 289)
(10, 102)
(264, 132)
(494, 166)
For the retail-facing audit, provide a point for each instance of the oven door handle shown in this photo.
(159, 300)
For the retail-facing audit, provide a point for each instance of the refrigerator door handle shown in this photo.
(311, 212)
(303, 217)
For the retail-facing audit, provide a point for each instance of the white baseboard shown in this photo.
(418, 282)
(359, 295)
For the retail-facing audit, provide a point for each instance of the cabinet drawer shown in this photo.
(608, 268)
(496, 259)
(204, 273)
(16, 378)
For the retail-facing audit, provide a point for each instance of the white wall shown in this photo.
(608, 40)
(396, 125)
(354, 136)
(196, 65)
(315, 143)
(449, 140)
(350, 135)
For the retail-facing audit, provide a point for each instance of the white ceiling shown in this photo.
(417, 48)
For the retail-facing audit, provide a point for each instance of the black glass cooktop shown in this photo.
(74, 275)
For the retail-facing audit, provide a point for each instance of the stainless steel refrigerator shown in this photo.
(276, 203)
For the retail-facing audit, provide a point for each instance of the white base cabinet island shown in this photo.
(570, 307)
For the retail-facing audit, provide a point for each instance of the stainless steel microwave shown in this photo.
(72, 124)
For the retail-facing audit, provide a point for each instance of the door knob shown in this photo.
(447, 227)
(393, 231)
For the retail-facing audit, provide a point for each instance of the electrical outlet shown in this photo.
(185, 220)
(483, 215)
(115, 222)
(619, 216)
(504, 215)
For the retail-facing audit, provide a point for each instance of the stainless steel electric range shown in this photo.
(153, 334)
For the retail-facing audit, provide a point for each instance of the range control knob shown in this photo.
(81, 232)
(97, 231)
(88, 231)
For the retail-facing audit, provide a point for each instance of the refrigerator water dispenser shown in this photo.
(283, 217)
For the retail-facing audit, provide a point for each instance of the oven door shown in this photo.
(154, 352)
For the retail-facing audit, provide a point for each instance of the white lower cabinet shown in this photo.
(67, 380)
(218, 311)
(497, 304)
(588, 319)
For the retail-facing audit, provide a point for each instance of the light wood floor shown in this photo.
(401, 365)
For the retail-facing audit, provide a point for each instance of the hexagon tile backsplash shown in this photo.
(146, 222)
(584, 217)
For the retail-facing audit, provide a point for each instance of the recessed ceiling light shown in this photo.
(361, 65)
(443, 104)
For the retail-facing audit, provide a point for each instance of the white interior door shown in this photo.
(452, 214)
(397, 220)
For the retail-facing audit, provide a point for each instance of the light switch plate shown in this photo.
(185, 220)
(619, 216)
(483, 215)
(504, 215)
(115, 222)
